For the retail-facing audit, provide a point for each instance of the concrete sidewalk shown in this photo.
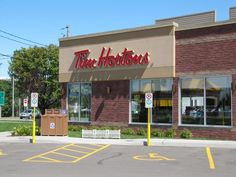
(5, 137)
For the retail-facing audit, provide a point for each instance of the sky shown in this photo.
(42, 21)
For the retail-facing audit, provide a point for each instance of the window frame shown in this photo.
(67, 101)
(130, 103)
(204, 101)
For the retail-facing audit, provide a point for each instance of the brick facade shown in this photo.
(110, 102)
(203, 51)
(175, 99)
(208, 51)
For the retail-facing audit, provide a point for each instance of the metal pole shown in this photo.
(13, 97)
(19, 102)
(34, 126)
(148, 129)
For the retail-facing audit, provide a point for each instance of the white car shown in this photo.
(28, 114)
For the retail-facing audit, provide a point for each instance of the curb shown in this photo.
(5, 137)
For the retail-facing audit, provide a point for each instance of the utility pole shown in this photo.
(67, 28)
(13, 96)
(67, 31)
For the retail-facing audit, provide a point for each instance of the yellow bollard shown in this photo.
(34, 127)
(148, 129)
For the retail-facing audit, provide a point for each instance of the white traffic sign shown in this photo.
(25, 102)
(148, 100)
(34, 99)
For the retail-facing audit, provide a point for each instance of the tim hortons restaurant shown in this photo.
(187, 62)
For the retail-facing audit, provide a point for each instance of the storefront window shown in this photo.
(162, 100)
(212, 109)
(85, 102)
(192, 96)
(218, 101)
(138, 110)
(79, 102)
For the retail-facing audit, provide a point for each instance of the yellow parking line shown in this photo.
(91, 153)
(99, 145)
(84, 147)
(46, 153)
(50, 159)
(37, 158)
(67, 155)
(210, 158)
(75, 150)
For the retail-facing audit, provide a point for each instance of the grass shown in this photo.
(9, 125)
(76, 134)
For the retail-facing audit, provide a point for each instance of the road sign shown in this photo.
(2, 100)
(25, 102)
(148, 100)
(34, 99)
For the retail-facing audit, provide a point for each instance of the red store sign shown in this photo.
(106, 59)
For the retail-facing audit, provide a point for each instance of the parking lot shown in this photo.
(95, 160)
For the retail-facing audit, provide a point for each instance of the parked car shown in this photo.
(28, 114)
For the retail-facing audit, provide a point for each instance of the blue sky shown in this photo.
(41, 20)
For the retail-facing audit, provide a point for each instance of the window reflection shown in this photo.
(138, 110)
(73, 101)
(214, 107)
(162, 100)
(218, 101)
(79, 101)
(192, 104)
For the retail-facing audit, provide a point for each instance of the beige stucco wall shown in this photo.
(159, 42)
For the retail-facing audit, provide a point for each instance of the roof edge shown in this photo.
(174, 24)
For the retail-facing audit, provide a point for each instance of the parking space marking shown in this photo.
(68, 149)
(152, 157)
(68, 155)
(210, 158)
(1, 153)
(83, 147)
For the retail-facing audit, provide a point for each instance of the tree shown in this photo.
(36, 70)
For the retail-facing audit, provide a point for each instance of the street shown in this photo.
(95, 160)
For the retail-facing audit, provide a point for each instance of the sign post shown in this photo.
(34, 104)
(2, 95)
(148, 105)
(25, 102)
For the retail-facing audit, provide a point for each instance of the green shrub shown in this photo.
(24, 130)
(158, 133)
(185, 133)
(128, 131)
(75, 128)
(72, 128)
(93, 127)
(170, 133)
(141, 131)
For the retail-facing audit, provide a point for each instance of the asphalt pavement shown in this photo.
(100, 160)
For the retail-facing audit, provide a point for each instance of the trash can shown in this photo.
(53, 123)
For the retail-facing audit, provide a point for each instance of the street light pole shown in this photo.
(13, 96)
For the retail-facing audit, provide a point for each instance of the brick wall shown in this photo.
(64, 95)
(206, 50)
(110, 108)
(210, 51)
(175, 100)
